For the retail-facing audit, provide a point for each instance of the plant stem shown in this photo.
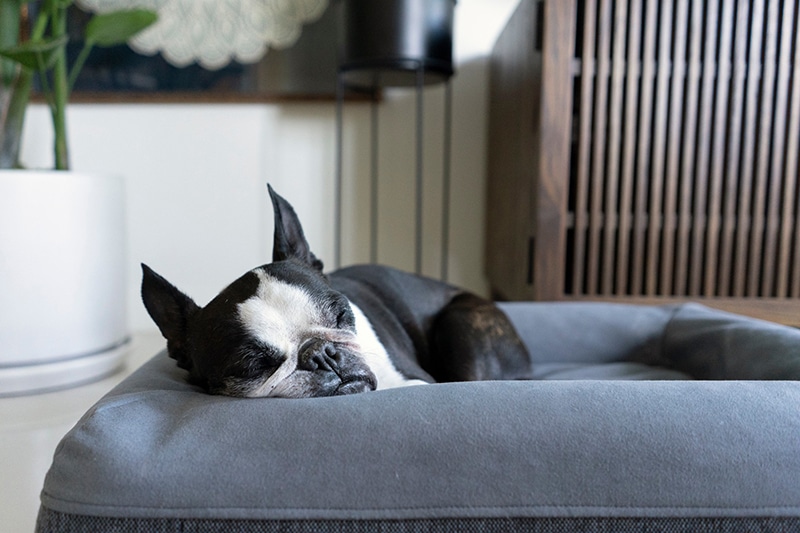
(40, 26)
(78, 65)
(60, 92)
(9, 34)
(20, 95)
(12, 111)
(12, 126)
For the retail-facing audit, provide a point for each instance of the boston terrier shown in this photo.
(286, 329)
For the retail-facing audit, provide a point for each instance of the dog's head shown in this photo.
(279, 330)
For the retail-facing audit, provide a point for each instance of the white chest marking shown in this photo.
(375, 355)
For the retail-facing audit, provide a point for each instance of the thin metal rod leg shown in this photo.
(373, 205)
(337, 211)
(419, 169)
(448, 114)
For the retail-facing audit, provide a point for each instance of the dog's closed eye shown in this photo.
(256, 359)
(345, 320)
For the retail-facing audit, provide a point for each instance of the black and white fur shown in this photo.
(285, 329)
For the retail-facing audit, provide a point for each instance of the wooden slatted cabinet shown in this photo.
(647, 151)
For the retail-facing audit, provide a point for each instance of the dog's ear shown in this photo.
(171, 310)
(289, 240)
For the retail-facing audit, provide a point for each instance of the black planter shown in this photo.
(391, 43)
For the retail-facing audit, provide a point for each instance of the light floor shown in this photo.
(31, 427)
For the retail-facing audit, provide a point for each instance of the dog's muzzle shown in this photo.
(341, 363)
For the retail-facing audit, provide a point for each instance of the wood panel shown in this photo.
(688, 147)
(510, 210)
(664, 152)
(584, 117)
(552, 144)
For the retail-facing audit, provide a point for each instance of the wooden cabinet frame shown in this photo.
(647, 152)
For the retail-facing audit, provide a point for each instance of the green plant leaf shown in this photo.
(115, 28)
(9, 35)
(36, 55)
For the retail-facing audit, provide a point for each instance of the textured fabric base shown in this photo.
(54, 522)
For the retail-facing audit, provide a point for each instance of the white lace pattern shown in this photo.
(215, 32)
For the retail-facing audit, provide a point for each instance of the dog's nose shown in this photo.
(318, 355)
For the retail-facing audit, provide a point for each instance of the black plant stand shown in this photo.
(396, 43)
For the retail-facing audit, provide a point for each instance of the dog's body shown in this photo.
(286, 329)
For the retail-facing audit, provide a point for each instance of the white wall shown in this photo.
(196, 174)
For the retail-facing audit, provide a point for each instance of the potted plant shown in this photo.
(62, 310)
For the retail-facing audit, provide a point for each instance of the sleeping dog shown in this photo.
(286, 329)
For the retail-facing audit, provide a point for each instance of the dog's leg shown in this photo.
(472, 340)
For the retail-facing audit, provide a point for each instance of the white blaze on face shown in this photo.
(279, 315)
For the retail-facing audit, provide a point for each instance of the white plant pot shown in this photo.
(62, 279)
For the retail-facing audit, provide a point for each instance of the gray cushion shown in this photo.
(157, 448)
(692, 339)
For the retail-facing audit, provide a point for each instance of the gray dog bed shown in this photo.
(624, 431)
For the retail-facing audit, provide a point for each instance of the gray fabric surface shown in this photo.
(589, 333)
(157, 448)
